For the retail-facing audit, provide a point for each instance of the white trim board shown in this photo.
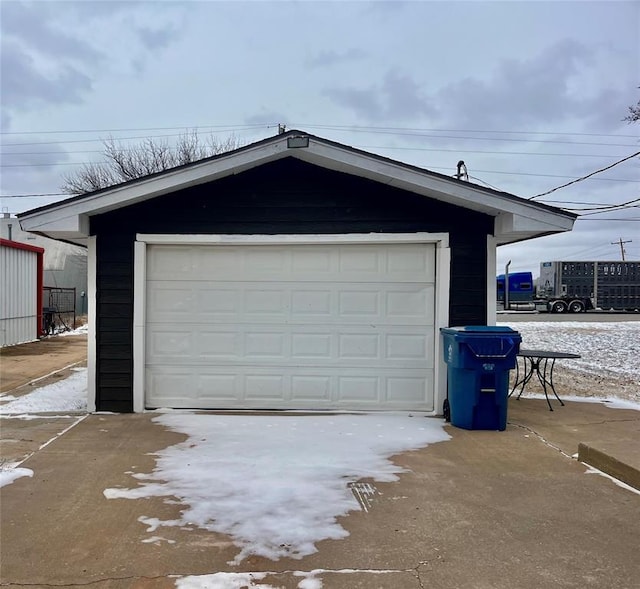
(92, 326)
(441, 317)
(294, 239)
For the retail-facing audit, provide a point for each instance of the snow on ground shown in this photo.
(69, 394)
(609, 368)
(82, 330)
(310, 579)
(8, 475)
(276, 484)
(604, 347)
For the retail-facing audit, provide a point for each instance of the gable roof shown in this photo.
(516, 219)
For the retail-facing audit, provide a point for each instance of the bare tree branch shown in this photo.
(124, 163)
(634, 114)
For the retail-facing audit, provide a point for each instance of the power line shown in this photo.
(244, 126)
(400, 130)
(239, 127)
(606, 206)
(486, 183)
(611, 219)
(611, 210)
(597, 248)
(462, 150)
(423, 135)
(357, 130)
(428, 167)
(575, 202)
(100, 140)
(34, 195)
(587, 176)
(51, 164)
(395, 148)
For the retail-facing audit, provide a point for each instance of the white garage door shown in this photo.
(290, 326)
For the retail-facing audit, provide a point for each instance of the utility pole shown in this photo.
(621, 244)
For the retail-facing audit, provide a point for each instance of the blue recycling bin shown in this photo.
(478, 359)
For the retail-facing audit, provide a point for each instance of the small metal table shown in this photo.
(540, 363)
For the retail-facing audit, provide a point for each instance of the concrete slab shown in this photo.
(21, 437)
(20, 365)
(610, 437)
(486, 509)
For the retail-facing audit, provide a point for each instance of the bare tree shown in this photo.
(634, 113)
(124, 162)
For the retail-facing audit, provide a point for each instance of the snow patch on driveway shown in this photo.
(8, 475)
(277, 484)
(69, 394)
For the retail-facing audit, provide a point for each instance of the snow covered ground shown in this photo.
(82, 330)
(610, 364)
(69, 394)
(604, 347)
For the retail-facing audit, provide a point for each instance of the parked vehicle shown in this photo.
(522, 295)
(606, 285)
(520, 287)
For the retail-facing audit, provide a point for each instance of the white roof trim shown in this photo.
(515, 220)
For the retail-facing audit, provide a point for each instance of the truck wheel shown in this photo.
(576, 306)
(558, 307)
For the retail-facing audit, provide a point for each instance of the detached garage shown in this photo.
(293, 273)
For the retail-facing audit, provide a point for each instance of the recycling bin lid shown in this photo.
(479, 329)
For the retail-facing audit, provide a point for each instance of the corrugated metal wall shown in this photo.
(18, 292)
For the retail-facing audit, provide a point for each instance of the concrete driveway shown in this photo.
(485, 509)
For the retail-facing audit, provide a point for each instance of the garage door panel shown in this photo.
(171, 299)
(216, 299)
(313, 327)
(405, 390)
(255, 302)
(181, 387)
(170, 343)
(311, 388)
(359, 346)
(310, 345)
(209, 387)
(217, 344)
(355, 390)
(259, 345)
(336, 346)
(347, 263)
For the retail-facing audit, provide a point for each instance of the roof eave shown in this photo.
(516, 219)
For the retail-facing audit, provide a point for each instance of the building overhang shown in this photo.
(516, 219)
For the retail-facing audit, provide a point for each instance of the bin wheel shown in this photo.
(446, 411)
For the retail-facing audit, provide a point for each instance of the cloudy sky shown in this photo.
(531, 95)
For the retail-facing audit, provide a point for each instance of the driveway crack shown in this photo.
(84, 583)
(542, 439)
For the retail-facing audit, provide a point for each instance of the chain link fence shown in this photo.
(58, 309)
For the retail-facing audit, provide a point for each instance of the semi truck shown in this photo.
(574, 287)
(522, 295)
(607, 285)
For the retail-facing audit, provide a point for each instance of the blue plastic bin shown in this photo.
(478, 359)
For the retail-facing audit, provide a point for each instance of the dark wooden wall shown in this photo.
(288, 196)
